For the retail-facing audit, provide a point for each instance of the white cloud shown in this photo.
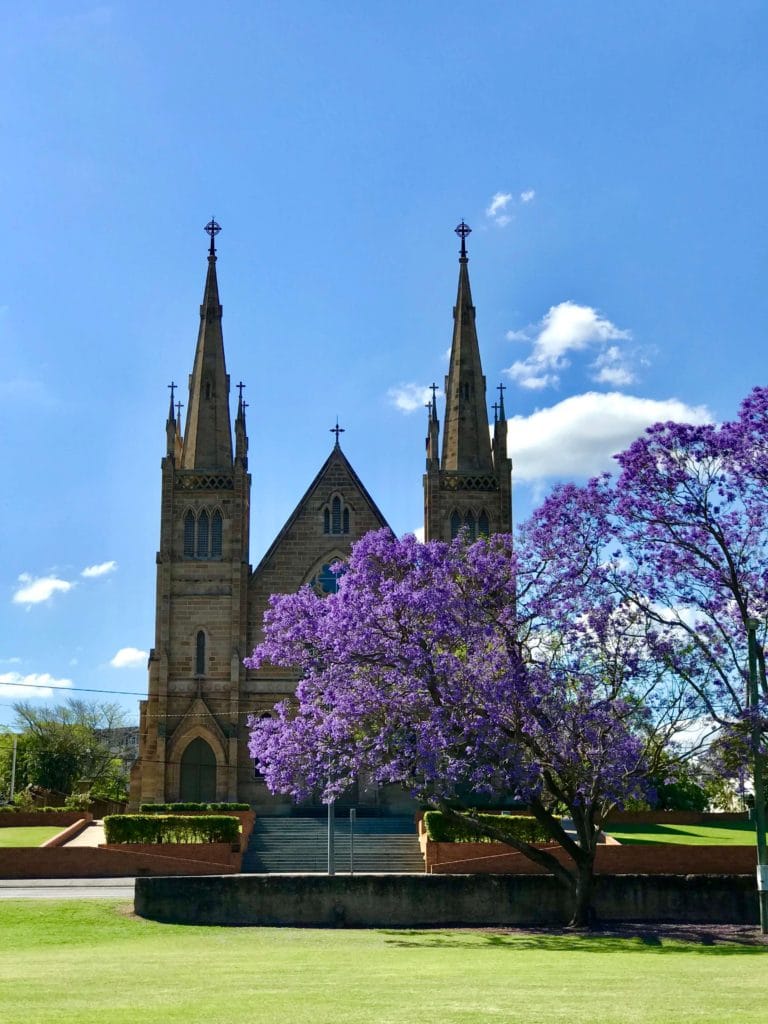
(566, 327)
(528, 195)
(10, 661)
(129, 657)
(36, 590)
(101, 569)
(418, 533)
(612, 367)
(497, 208)
(577, 437)
(42, 684)
(409, 397)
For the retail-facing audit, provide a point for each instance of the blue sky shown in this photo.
(610, 159)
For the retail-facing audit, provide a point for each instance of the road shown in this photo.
(66, 889)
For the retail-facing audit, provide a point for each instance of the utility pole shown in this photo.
(753, 703)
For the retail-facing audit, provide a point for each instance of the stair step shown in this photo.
(298, 845)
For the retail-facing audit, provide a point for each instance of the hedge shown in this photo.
(18, 809)
(175, 808)
(166, 828)
(442, 830)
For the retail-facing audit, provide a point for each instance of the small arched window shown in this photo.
(207, 388)
(483, 526)
(189, 535)
(345, 520)
(326, 521)
(455, 524)
(202, 535)
(216, 528)
(200, 653)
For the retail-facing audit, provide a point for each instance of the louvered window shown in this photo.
(336, 515)
(189, 535)
(202, 535)
(216, 528)
(483, 526)
(469, 522)
(455, 524)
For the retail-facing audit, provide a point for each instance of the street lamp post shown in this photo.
(759, 781)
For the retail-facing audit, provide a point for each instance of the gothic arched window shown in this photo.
(471, 527)
(216, 528)
(336, 516)
(455, 524)
(200, 653)
(483, 526)
(202, 535)
(189, 535)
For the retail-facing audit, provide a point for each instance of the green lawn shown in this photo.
(33, 835)
(732, 833)
(90, 962)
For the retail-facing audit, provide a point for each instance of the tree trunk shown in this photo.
(584, 915)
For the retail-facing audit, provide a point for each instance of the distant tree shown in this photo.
(463, 670)
(65, 747)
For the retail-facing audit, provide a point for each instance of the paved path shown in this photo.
(66, 889)
(92, 835)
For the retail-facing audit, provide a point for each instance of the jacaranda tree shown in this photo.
(471, 668)
(692, 523)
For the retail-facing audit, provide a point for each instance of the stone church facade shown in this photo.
(193, 735)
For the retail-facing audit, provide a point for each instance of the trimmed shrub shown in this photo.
(177, 807)
(440, 830)
(18, 809)
(158, 829)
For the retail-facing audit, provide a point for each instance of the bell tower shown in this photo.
(469, 484)
(189, 722)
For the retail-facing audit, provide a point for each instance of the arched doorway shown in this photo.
(198, 773)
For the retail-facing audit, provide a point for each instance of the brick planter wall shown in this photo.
(25, 819)
(495, 858)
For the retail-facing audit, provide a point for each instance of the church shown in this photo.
(193, 732)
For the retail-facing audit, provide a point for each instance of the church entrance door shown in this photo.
(198, 773)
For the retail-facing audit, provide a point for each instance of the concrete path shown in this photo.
(92, 835)
(67, 889)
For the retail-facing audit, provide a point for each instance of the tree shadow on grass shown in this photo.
(716, 940)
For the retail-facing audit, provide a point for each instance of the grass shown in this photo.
(731, 833)
(32, 835)
(91, 961)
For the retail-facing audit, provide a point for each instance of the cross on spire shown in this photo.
(462, 231)
(212, 228)
(501, 388)
(433, 388)
(173, 385)
(240, 387)
(179, 407)
(337, 430)
(495, 408)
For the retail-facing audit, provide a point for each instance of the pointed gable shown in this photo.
(334, 512)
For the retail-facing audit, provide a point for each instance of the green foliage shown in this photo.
(523, 827)
(26, 808)
(191, 806)
(63, 748)
(157, 829)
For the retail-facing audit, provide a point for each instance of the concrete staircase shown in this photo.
(300, 845)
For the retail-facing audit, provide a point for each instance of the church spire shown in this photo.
(466, 440)
(208, 432)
